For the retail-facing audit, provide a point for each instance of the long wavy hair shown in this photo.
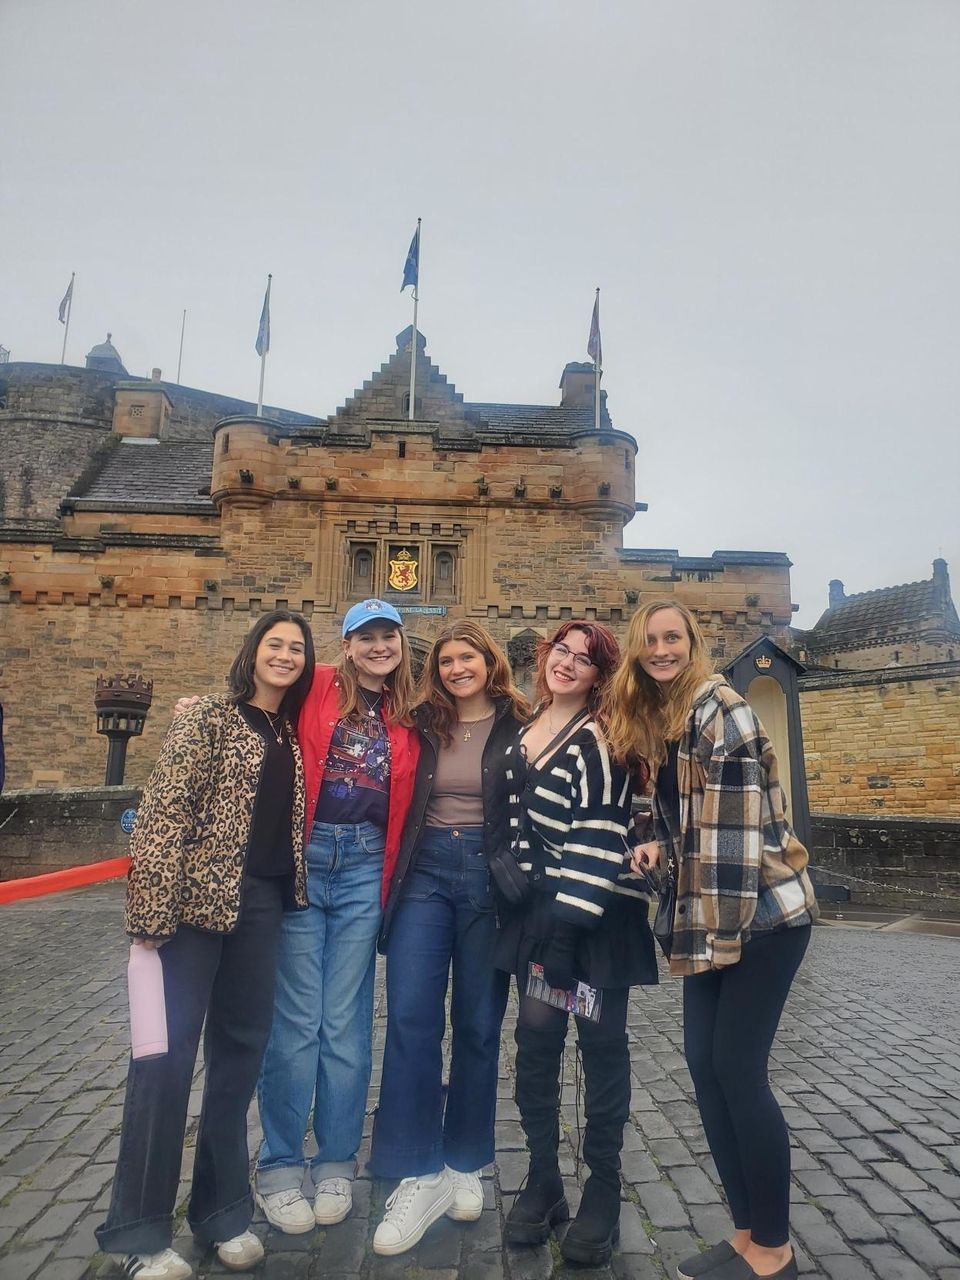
(399, 688)
(439, 707)
(603, 648)
(240, 682)
(641, 716)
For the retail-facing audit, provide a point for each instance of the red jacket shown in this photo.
(318, 718)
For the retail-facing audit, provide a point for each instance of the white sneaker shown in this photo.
(333, 1201)
(165, 1265)
(242, 1252)
(413, 1207)
(289, 1211)
(467, 1202)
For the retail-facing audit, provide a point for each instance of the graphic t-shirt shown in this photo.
(356, 779)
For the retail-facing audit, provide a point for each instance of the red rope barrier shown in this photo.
(57, 881)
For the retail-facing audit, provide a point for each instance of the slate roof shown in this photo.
(148, 477)
(887, 612)
(534, 419)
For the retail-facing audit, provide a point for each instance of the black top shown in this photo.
(668, 788)
(270, 846)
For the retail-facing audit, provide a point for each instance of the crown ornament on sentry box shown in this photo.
(763, 662)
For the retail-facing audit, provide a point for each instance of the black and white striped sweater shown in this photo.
(577, 811)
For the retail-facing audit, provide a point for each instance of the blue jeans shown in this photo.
(446, 916)
(320, 1045)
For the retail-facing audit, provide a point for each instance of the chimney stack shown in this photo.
(837, 595)
(155, 375)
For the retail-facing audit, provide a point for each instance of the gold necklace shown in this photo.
(467, 734)
(273, 727)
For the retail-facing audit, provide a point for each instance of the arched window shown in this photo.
(444, 573)
(363, 566)
(361, 562)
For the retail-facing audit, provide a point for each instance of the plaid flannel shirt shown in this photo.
(740, 867)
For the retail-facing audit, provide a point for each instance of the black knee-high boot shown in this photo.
(541, 1204)
(606, 1070)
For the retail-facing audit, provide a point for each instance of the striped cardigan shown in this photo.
(574, 828)
(740, 868)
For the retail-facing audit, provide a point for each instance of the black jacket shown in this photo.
(496, 821)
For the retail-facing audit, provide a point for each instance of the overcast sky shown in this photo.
(767, 192)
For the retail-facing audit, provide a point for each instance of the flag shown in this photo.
(594, 349)
(411, 268)
(65, 304)
(263, 333)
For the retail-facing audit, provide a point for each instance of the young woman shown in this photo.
(360, 757)
(585, 919)
(216, 858)
(744, 910)
(440, 914)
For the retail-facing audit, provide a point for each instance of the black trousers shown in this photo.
(730, 1017)
(227, 980)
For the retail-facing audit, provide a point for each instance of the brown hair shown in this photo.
(602, 648)
(642, 716)
(240, 680)
(399, 687)
(439, 706)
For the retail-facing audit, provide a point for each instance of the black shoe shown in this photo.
(701, 1263)
(737, 1269)
(539, 1207)
(596, 1228)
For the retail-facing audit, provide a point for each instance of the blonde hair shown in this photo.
(641, 716)
(439, 705)
(399, 687)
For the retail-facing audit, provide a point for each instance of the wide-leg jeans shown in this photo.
(227, 979)
(320, 1051)
(444, 920)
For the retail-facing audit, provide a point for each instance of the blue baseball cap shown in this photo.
(369, 611)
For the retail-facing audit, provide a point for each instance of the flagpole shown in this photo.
(596, 373)
(266, 348)
(183, 326)
(413, 349)
(63, 353)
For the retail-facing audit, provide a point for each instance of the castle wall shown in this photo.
(886, 741)
(915, 650)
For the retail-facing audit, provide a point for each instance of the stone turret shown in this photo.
(105, 356)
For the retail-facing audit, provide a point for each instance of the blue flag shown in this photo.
(263, 333)
(411, 268)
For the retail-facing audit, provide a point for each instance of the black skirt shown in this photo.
(618, 952)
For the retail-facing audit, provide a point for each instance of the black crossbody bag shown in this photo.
(512, 883)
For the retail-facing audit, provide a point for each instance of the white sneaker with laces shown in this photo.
(415, 1205)
(333, 1201)
(289, 1211)
(165, 1265)
(467, 1202)
(242, 1252)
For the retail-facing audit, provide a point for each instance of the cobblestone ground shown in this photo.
(867, 1065)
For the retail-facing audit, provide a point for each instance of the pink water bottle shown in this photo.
(148, 1013)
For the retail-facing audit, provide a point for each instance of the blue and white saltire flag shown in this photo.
(411, 268)
(65, 304)
(594, 349)
(263, 333)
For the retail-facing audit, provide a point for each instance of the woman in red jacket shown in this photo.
(360, 756)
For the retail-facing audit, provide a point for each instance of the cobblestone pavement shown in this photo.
(867, 1065)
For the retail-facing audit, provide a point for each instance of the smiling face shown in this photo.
(375, 649)
(279, 661)
(569, 670)
(462, 669)
(667, 650)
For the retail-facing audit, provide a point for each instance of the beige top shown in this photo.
(456, 799)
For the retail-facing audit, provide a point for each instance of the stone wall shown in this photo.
(883, 740)
(911, 863)
(43, 831)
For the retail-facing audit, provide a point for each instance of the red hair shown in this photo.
(603, 648)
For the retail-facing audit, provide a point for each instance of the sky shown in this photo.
(767, 193)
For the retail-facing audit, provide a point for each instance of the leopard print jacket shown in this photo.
(188, 847)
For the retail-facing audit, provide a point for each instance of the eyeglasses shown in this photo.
(581, 659)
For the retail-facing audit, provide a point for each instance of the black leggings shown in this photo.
(730, 1017)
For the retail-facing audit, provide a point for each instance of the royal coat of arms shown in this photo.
(403, 572)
